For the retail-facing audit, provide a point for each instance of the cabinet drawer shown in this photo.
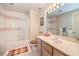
(45, 53)
(47, 47)
(57, 53)
(38, 41)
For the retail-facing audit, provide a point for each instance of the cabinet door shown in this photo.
(57, 53)
(38, 41)
(45, 53)
(47, 47)
(39, 47)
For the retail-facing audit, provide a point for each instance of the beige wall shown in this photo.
(34, 23)
(10, 23)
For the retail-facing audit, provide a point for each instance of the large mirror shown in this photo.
(64, 20)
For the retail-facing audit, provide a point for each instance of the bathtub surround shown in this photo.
(17, 46)
(13, 24)
(14, 29)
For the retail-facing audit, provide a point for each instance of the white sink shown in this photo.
(73, 40)
(56, 39)
(59, 39)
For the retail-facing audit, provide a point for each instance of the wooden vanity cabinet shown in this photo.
(44, 49)
(57, 53)
(45, 52)
(39, 47)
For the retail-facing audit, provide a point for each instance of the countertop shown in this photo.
(61, 43)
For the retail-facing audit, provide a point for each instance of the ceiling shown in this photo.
(23, 7)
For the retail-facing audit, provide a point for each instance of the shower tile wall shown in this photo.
(12, 28)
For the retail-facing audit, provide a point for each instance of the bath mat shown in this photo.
(17, 51)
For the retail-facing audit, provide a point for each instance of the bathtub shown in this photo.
(7, 46)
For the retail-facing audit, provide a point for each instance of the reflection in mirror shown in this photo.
(64, 20)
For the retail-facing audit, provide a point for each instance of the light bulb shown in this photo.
(62, 4)
(50, 7)
(54, 5)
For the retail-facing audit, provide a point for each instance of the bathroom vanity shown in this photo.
(56, 46)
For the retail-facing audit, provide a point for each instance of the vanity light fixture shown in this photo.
(53, 7)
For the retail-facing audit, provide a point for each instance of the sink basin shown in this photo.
(60, 39)
(56, 40)
(73, 40)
